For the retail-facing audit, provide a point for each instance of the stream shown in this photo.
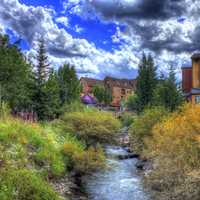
(119, 181)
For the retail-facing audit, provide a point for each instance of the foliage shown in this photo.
(127, 119)
(74, 107)
(175, 148)
(146, 82)
(167, 94)
(84, 161)
(132, 102)
(41, 75)
(15, 76)
(32, 153)
(92, 125)
(22, 142)
(102, 94)
(52, 102)
(24, 185)
(69, 84)
(142, 125)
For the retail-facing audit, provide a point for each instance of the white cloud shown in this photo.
(78, 29)
(63, 20)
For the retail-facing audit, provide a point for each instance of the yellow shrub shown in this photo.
(90, 160)
(177, 137)
(142, 125)
(175, 149)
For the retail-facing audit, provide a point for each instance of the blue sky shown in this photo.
(105, 37)
(93, 29)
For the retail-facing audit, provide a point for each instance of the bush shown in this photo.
(127, 119)
(74, 107)
(90, 160)
(80, 159)
(175, 148)
(142, 125)
(92, 125)
(24, 185)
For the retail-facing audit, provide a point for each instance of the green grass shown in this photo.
(32, 154)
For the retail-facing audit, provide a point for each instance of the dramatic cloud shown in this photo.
(168, 29)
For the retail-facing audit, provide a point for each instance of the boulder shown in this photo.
(128, 156)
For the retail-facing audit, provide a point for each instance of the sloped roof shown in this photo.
(123, 83)
(92, 81)
(196, 56)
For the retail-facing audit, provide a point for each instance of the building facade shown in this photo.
(120, 89)
(191, 80)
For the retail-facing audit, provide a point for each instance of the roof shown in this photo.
(195, 56)
(123, 83)
(92, 81)
(186, 67)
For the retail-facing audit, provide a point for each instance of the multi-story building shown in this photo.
(120, 89)
(191, 80)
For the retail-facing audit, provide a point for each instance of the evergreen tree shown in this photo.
(146, 82)
(51, 97)
(15, 76)
(69, 84)
(167, 93)
(42, 68)
(41, 77)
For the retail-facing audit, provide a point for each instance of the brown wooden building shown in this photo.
(121, 89)
(191, 80)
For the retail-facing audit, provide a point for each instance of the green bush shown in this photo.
(80, 158)
(92, 125)
(127, 119)
(142, 125)
(24, 185)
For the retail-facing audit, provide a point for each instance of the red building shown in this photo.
(191, 80)
(120, 89)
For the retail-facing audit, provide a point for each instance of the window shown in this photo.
(197, 99)
(123, 91)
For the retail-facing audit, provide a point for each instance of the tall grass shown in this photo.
(32, 154)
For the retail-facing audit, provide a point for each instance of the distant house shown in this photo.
(191, 80)
(120, 89)
(88, 84)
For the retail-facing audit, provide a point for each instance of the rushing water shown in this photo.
(120, 181)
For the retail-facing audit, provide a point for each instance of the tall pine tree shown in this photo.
(146, 82)
(167, 93)
(69, 84)
(41, 76)
(15, 76)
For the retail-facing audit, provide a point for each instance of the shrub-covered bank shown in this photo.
(33, 155)
(172, 142)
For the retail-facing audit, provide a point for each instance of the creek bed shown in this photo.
(119, 181)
